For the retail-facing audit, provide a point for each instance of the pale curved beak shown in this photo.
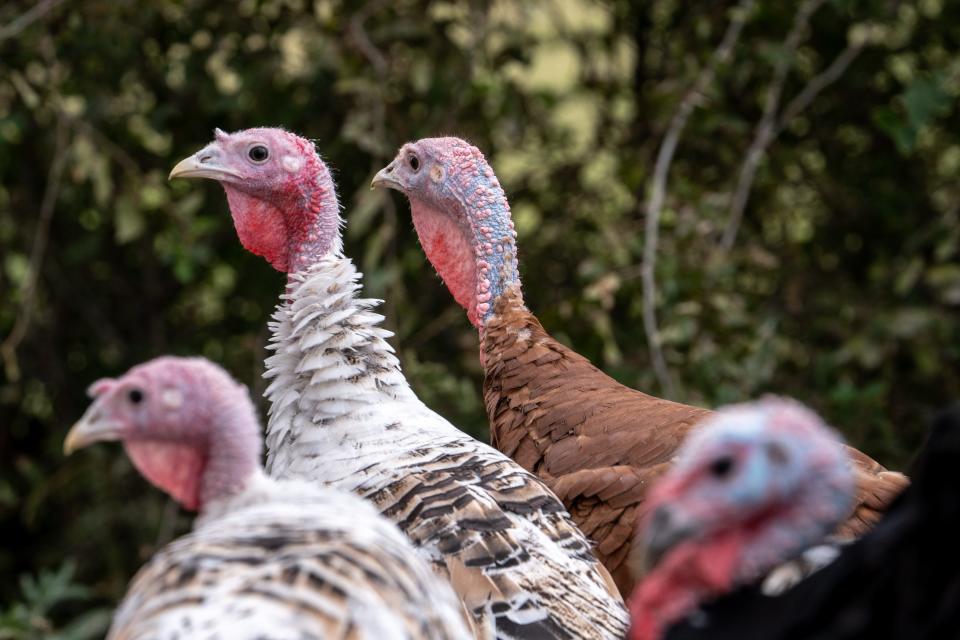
(205, 163)
(92, 427)
(386, 178)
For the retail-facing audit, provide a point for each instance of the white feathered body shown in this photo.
(343, 415)
(289, 561)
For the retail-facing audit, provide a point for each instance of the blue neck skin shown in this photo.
(493, 241)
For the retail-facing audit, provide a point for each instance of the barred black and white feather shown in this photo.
(343, 415)
(289, 561)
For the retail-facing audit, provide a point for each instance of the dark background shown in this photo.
(841, 287)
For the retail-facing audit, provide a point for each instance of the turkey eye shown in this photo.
(258, 153)
(721, 467)
(135, 395)
(414, 162)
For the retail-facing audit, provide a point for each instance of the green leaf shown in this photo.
(926, 99)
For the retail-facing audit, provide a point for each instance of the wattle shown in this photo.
(445, 241)
(173, 467)
(260, 226)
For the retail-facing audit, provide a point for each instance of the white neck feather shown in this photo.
(339, 401)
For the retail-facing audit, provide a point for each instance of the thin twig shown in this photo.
(446, 318)
(764, 132)
(820, 82)
(27, 18)
(659, 183)
(379, 152)
(124, 159)
(361, 40)
(8, 349)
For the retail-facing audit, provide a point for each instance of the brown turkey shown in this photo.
(595, 442)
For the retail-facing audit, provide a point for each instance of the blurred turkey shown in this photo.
(266, 558)
(761, 483)
(342, 414)
(598, 444)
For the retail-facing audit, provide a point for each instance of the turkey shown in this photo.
(755, 485)
(343, 415)
(760, 483)
(266, 558)
(595, 442)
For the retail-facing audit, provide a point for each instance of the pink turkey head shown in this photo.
(187, 426)
(462, 217)
(281, 194)
(754, 485)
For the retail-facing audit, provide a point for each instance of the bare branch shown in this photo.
(115, 151)
(659, 182)
(358, 34)
(379, 151)
(27, 18)
(793, 109)
(8, 349)
(820, 82)
(764, 133)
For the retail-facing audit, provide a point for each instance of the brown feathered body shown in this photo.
(597, 443)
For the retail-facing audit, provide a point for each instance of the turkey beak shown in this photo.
(92, 427)
(206, 163)
(667, 528)
(387, 177)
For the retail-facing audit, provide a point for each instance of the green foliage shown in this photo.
(30, 618)
(925, 100)
(842, 288)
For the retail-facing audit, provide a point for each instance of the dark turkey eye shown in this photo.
(258, 153)
(721, 467)
(414, 162)
(135, 395)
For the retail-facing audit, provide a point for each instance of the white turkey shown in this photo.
(266, 559)
(342, 413)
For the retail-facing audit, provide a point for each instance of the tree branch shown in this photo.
(658, 188)
(820, 82)
(8, 349)
(358, 34)
(764, 133)
(27, 18)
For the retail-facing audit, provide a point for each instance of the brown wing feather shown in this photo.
(597, 443)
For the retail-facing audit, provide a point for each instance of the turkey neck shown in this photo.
(314, 225)
(470, 240)
(293, 226)
(231, 458)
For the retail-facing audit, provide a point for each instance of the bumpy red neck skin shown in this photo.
(292, 227)
(446, 241)
(470, 237)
